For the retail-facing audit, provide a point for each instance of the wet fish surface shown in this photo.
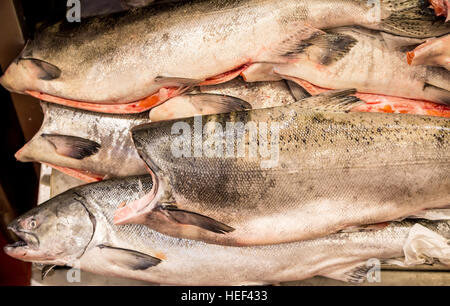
(135, 251)
(329, 170)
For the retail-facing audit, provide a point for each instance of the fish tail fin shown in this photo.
(413, 18)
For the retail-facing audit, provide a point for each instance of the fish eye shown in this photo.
(32, 223)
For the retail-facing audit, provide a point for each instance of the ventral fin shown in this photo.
(46, 271)
(44, 71)
(316, 45)
(128, 259)
(72, 146)
(298, 92)
(218, 104)
(191, 105)
(191, 218)
(176, 81)
(333, 100)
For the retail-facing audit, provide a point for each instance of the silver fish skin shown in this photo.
(135, 251)
(333, 170)
(99, 144)
(117, 59)
(371, 66)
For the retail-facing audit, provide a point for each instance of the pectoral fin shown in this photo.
(43, 70)
(298, 92)
(72, 146)
(197, 104)
(191, 218)
(128, 259)
(218, 103)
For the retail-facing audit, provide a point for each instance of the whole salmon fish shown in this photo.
(76, 229)
(129, 62)
(289, 173)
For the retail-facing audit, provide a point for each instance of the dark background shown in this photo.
(20, 118)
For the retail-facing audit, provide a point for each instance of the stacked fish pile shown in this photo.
(234, 142)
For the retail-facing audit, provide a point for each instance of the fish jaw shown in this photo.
(27, 249)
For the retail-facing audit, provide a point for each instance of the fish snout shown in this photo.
(14, 79)
(5, 83)
(14, 226)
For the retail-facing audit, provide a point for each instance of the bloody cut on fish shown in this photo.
(386, 104)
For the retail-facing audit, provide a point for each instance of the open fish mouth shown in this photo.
(27, 248)
(27, 241)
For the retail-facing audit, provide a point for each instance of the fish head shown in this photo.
(28, 73)
(56, 232)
